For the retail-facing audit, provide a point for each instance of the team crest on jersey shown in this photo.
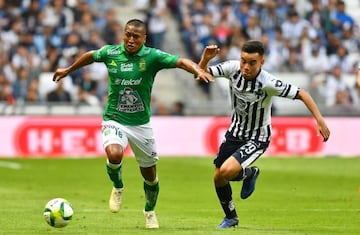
(244, 99)
(130, 101)
(142, 65)
(241, 104)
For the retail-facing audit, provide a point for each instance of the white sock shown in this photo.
(112, 165)
(156, 180)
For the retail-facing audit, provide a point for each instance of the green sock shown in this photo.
(151, 195)
(115, 174)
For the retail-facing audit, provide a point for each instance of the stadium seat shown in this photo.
(33, 109)
(90, 110)
(62, 109)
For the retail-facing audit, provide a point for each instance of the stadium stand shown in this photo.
(36, 38)
(33, 109)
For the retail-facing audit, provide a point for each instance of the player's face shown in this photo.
(250, 64)
(134, 38)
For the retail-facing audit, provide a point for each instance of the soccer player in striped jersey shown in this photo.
(132, 68)
(249, 134)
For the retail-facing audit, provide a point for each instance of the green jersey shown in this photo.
(131, 78)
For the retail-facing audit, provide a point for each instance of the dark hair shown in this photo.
(137, 23)
(253, 46)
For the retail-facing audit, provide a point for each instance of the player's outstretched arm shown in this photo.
(313, 108)
(208, 53)
(83, 60)
(193, 68)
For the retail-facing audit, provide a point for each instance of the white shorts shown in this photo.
(141, 140)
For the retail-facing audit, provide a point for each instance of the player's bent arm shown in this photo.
(204, 63)
(209, 52)
(313, 108)
(358, 77)
(83, 60)
(193, 68)
(189, 66)
(310, 103)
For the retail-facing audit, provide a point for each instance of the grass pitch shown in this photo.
(292, 196)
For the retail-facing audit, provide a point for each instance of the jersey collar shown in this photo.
(139, 53)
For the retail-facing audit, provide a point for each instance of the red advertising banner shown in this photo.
(289, 136)
(59, 136)
(175, 136)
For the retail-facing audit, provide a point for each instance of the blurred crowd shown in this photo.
(38, 36)
(316, 37)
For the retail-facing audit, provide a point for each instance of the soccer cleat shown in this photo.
(150, 219)
(115, 199)
(248, 186)
(228, 223)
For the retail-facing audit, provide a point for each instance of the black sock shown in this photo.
(225, 197)
(248, 173)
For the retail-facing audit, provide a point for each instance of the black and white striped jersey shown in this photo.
(251, 100)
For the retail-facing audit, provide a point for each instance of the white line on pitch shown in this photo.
(91, 210)
(10, 165)
(278, 210)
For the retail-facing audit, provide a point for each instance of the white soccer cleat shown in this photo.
(150, 219)
(115, 199)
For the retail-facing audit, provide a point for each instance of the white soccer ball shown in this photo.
(58, 212)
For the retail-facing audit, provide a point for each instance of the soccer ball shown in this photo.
(58, 212)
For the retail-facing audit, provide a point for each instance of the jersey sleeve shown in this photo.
(277, 87)
(100, 54)
(164, 59)
(224, 69)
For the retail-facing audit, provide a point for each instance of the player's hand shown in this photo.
(210, 51)
(59, 74)
(204, 76)
(323, 130)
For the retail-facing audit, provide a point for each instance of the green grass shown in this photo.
(293, 196)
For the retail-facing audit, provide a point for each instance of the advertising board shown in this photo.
(175, 136)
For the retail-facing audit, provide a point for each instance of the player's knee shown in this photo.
(217, 177)
(227, 172)
(114, 153)
(149, 174)
(219, 181)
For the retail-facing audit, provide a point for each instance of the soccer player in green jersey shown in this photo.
(132, 67)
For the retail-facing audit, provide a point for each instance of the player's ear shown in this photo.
(262, 61)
